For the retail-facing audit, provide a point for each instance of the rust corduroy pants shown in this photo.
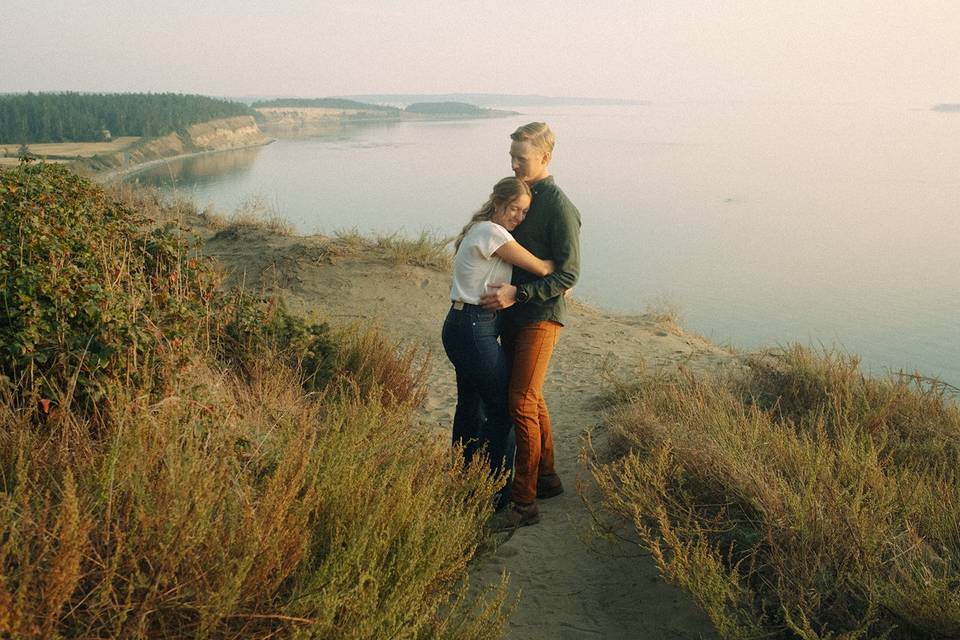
(530, 347)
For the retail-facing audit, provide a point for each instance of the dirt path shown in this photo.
(572, 584)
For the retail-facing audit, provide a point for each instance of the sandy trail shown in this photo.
(572, 584)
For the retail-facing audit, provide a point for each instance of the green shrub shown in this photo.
(802, 500)
(90, 291)
(253, 329)
(87, 294)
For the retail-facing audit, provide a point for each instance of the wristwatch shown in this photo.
(522, 295)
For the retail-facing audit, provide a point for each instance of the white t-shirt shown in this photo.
(475, 265)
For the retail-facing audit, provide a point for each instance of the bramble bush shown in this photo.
(799, 500)
(89, 293)
(209, 465)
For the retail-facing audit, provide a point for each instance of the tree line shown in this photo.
(91, 117)
(445, 108)
(328, 103)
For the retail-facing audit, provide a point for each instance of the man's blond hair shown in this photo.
(537, 134)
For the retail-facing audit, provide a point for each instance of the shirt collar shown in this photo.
(538, 186)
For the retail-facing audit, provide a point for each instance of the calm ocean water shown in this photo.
(828, 225)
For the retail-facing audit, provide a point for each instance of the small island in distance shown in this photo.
(947, 107)
(345, 105)
(301, 117)
(495, 99)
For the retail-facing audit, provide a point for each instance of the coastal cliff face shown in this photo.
(216, 135)
(226, 133)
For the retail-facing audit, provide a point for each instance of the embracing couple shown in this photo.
(515, 260)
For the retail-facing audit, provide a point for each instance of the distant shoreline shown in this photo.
(495, 100)
(277, 130)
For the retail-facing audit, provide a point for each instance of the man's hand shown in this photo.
(503, 295)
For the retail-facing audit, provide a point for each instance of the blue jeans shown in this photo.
(482, 418)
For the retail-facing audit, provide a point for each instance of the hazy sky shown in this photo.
(758, 50)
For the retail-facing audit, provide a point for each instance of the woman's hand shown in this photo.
(551, 267)
(503, 295)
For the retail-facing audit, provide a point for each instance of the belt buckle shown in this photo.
(458, 305)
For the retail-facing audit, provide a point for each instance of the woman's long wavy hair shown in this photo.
(504, 192)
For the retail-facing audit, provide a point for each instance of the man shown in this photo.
(535, 312)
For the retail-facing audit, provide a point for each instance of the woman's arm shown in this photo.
(516, 255)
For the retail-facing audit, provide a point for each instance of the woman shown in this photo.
(486, 254)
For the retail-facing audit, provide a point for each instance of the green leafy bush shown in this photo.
(253, 328)
(87, 293)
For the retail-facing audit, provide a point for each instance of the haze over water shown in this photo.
(833, 225)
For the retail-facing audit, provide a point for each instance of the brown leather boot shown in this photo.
(515, 515)
(549, 486)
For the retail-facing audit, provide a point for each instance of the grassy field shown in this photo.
(66, 150)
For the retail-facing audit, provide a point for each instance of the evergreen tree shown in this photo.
(83, 117)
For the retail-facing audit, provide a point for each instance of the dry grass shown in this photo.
(400, 377)
(426, 250)
(71, 150)
(254, 212)
(257, 212)
(663, 309)
(203, 496)
(803, 500)
(665, 314)
(352, 240)
(235, 508)
(150, 202)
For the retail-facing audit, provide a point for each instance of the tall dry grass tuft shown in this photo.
(256, 212)
(150, 203)
(236, 474)
(64, 574)
(426, 250)
(801, 500)
(392, 380)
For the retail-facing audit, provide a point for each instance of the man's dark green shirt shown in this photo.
(551, 231)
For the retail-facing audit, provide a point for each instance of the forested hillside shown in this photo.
(327, 103)
(445, 108)
(88, 117)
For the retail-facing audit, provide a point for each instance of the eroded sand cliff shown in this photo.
(216, 135)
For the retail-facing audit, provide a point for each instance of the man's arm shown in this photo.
(565, 245)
